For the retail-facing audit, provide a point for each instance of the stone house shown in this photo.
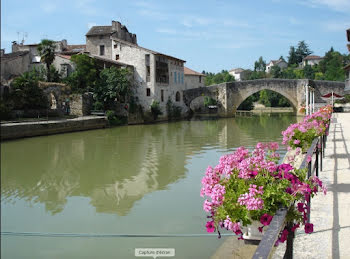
(157, 76)
(14, 64)
(193, 79)
(280, 63)
(239, 74)
(311, 60)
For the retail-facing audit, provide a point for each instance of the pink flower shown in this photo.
(301, 207)
(284, 236)
(296, 142)
(308, 159)
(295, 227)
(309, 228)
(266, 219)
(210, 226)
(207, 205)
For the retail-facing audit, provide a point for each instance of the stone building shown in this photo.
(13, 65)
(280, 63)
(311, 60)
(239, 73)
(157, 76)
(193, 79)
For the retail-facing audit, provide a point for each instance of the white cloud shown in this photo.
(336, 5)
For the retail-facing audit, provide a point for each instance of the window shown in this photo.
(178, 77)
(162, 95)
(148, 68)
(148, 91)
(101, 37)
(162, 70)
(116, 57)
(115, 46)
(200, 79)
(177, 97)
(182, 78)
(102, 50)
(175, 77)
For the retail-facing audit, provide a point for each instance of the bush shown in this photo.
(209, 101)
(155, 109)
(173, 111)
(114, 120)
(97, 105)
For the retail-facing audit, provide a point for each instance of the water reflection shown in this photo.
(114, 168)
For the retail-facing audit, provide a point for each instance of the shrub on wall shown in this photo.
(155, 109)
(173, 111)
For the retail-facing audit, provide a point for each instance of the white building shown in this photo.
(157, 76)
(238, 73)
(311, 60)
(193, 79)
(280, 63)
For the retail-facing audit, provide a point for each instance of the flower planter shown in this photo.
(251, 232)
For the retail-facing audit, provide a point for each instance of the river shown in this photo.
(135, 180)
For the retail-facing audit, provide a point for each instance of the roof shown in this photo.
(237, 70)
(191, 72)
(99, 30)
(109, 60)
(64, 56)
(76, 47)
(311, 57)
(14, 54)
(151, 51)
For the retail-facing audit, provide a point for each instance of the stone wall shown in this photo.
(81, 104)
(93, 45)
(14, 67)
(192, 81)
(31, 129)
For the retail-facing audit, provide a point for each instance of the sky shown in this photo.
(209, 35)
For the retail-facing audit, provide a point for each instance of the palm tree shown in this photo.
(46, 51)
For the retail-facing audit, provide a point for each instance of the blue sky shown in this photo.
(209, 35)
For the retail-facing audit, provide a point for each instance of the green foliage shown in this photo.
(222, 77)
(302, 51)
(332, 66)
(46, 49)
(276, 72)
(98, 105)
(155, 110)
(309, 73)
(85, 76)
(173, 111)
(292, 58)
(272, 99)
(113, 85)
(209, 101)
(260, 65)
(114, 120)
(247, 104)
(26, 93)
(252, 75)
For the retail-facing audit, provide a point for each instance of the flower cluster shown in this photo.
(303, 133)
(247, 186)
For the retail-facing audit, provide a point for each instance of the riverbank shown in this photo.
(49, 127)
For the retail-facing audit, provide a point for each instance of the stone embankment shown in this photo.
(43, 128)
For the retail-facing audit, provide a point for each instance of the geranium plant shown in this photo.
(250, 186)
(301, 135)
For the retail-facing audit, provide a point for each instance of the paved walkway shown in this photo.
(330, 213)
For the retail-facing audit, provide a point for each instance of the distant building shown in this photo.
(311, 60)
(157, 76)
(14, 64)
(280, 63)
(347, 68)
(193, 79)
(239, 73)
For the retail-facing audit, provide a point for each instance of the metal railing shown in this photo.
(265, 248)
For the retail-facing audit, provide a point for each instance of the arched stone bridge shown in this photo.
(230, 95)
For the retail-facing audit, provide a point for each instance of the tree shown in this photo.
(46, 50)
(86, 74)
(26, 93)
(292, 58)
(309, 73)
(332, 66)
(113, 85)
(276, 72)
(302, 51)
(221, 77)
(260, 65)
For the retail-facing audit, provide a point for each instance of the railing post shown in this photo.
(316, 161)
(321, 155)
(309, 198)
(290, 241)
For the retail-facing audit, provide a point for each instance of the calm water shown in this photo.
(128, 180)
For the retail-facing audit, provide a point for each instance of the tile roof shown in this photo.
(76, 47)
(99, 30)
(110, 60)
(64, 56)
(310, 57)
(14, 54)
(191, 72)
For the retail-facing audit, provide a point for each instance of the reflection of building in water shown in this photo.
(120, 196)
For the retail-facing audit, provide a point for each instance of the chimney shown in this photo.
(134, 39)
(15, 46)
(64, 44)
